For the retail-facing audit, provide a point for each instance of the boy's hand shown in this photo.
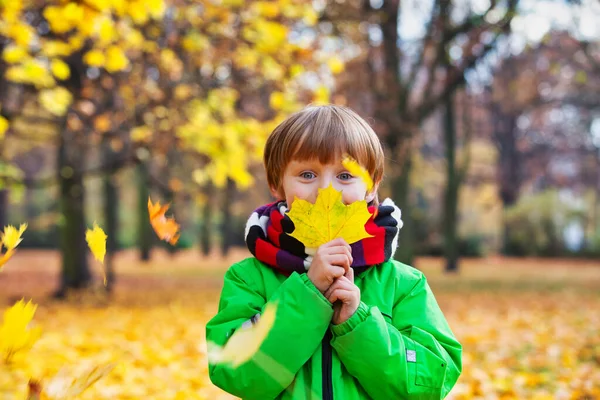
(345, 297)
(330, 262)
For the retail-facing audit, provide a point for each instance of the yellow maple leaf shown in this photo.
(166, 228)
(63, 386)
(328, 219)
(15, 333)
(96, 240)
(357, 170)
(10, 239)
(245, 341)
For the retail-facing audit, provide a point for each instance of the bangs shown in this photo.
(329, 136)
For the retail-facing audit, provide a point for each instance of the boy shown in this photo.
(351, 323)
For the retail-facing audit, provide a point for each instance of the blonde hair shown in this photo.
(326, 133)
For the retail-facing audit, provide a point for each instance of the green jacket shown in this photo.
(397, 345)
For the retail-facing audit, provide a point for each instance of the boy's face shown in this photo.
(303, 179)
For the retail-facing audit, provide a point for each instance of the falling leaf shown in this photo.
(96, 240)
(357, 170)
(245, 342)
(63, 386)
(15, 333)
(10, 239)
(328, 219)
(166, 228)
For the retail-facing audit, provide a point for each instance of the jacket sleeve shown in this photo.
(414, 356)
(302, 318)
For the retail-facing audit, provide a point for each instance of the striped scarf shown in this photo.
(268, 238)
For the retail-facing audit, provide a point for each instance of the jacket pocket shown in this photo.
(426, 371)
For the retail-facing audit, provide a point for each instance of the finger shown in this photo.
(340, 260)
(350, 274)
(341, 250)
(340, 283)
(342, 295)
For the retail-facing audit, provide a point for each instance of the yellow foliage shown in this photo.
(335, 65)
(54, 48)
(321, 95)
(22, 34)
(329, 218)
(56, 100)
(94, 58)
(60, 69)
(14, 54)
(32, 72)
(3, 126)
(15, 333)
(116, 60)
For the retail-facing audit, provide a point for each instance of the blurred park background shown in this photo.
(489, 112)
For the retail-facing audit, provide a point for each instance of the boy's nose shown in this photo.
(325, 182)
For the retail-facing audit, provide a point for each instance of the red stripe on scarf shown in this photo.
(266, 252)
(275, 229)
(373, 247)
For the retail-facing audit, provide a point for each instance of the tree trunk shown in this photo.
(227, 220)
(206, 229)
(401, 195)
(111, 216)
(452, 185)
(144, 231)
(510, 179)
(75, 268)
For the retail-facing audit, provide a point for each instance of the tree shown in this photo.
(410, 78)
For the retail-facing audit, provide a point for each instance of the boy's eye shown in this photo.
(345, 176)
(307, 175)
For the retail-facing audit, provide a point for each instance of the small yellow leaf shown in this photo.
(60, 69)
(14, 54)
(116, 60)
(15, 333)
(94, 58)
(357, 170)
(12, 237)
(335, 65)
(328, 219)
(56, 100)
(245, 341)
(63, 386)
(96, 240)
(166, 228)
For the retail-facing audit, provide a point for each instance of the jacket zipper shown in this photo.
(326, 366)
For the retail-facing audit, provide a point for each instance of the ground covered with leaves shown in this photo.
(529, 327)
